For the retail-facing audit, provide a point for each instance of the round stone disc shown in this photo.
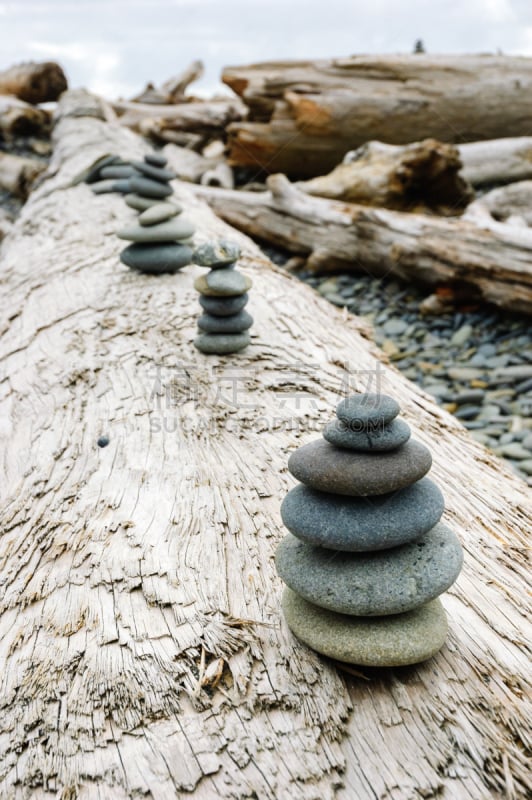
(372, 584)
(360, 524)
(221, 343)
(322, 466)
(393, 641)
(367, 408)
(367, 438)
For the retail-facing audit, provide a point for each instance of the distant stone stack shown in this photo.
(161, 238)
(367, 556)
(224, 325)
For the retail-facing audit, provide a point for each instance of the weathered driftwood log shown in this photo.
(173, 90)
(304, 116)
(187, 164)
(497, 160)
(34, 82)
(511, 204)
(187, 124)
(415, 177)
(17, 174)
(495, 262)
(142, 645)
(18, 118)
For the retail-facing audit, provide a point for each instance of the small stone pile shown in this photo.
(224, 325)
(367, 556)
(161, 237)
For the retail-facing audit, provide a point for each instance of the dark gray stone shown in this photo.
(94, 174)
(156, 159)
(221, 343)
(236, 323)
(216, 255)
(222, 283)
(391, 641)
(149, 188)
(326, 468)
(103, 187)
(170, 231)
(366, 437)
(372, 584)
(118, 172)
(156, 258)
(159, 174)
(159, 212)
(223, 306)
(141, 203)
(367, 408)
(122, 185)
(359, 524)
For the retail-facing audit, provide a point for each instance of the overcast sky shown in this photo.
(114, 47)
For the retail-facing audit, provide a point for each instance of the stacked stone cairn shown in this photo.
(224, 324)
(367, 555)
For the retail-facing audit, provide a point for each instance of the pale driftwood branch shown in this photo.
(497, 161)
(511, 204)
(142, 646)
(415, 177)
(17, 173)
(189, 165)
(200, 117)
(18, 118)
(173, 90)
(495, 261)
(304, 116)
(34, 82)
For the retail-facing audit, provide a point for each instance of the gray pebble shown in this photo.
(160, 212)
(156, 258)
(223, 283)
(236, 323)
(156, 159)
(367, 408)
(141, 203)
(367, 437)
(216, 255)
(220, 343)
(149, 188)
(172, 230)
(223, 306)
(159, 174)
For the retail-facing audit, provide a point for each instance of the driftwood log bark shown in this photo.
(304, 116)
(17, 173)
(497, 161)
(34, 82)
(511, 204)
(18, 118)
(172, 90)
(493, 262)
(423, 176)
(142, 647)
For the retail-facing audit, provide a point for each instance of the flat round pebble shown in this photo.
(223, 306)
(149, 188)
(159, 212)
(94, 173)
(223, 283)
(122, 185)
(322, 466)
(155, 173)
(372, 584)
(381, 437)
(141, 203)
(367, 408)
(117, 171)
(390, 641)
(156, 159)
(236, 323)
(220, 343)
(103, 187)
(360, 524)
(156, 258)
(170, 231)
(216, 255)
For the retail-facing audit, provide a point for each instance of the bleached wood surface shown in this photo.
(142, 650)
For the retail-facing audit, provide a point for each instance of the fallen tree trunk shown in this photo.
(511, 204)
(493, 262)
(423, 176)
(140, 632)
(497, 161)
(173, 90)
(304, 116)
(34, 82)
(18, 118)
(17, 174)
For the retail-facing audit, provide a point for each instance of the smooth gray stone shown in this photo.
(94, 175)
(156, 159)
(156, 258)
(122, 185)
(155, 173)
(392, 641)
(141, 203)
(372, 584)
(367, 408)
(103, 187)
(236, 323)
(221, 343)
(367, 438)
(170, 231)
(223, 283)
(118, 172)
(361, 524)
(159, 212)
(216, 255)
(326, 468)
(149, 188)
(223, 306)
